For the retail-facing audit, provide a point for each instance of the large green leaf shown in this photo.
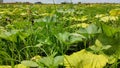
(91, 29)
(85, 59)
(69, 38)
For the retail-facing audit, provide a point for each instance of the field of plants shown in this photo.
(60, 36)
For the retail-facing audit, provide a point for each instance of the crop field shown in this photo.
(60, 36)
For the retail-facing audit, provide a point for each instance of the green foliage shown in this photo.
(50, 61)
(85, 59)
(52, 31)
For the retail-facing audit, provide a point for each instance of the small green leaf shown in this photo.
(58, 60)
(98, 43)
(106, 47)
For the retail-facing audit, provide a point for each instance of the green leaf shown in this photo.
(106, 47)
(98, 47)
(85, 59)
(92, 29)
(20, 66)
(9, 35)
(5, 66)
(83, 31)
(108, 30)
(69, 38)
(64, 37)
(29, 63)
(74, 37)
(23, 35)
(98, 43)
(47, 61)
(58, 60)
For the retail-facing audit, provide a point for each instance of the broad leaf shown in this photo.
(85, 59)
(93, 29)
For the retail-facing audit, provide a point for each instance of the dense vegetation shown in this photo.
(60, 36)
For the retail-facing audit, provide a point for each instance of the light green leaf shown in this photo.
(98, 43)
(29, 63)
(106, 47)
(74, 37)
(20, 66)
(47, 61)
(58, 60)
(93, 29)
(85, 59)
(5, 66)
